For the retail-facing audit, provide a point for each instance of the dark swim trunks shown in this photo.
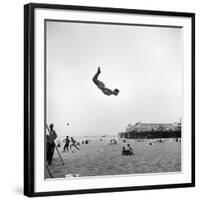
(100, 84)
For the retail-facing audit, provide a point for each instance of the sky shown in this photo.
(144, 63)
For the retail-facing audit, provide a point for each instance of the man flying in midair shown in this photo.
(102, 86)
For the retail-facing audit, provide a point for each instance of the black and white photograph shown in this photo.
(113, 99)
(100, 99)
(109, 101)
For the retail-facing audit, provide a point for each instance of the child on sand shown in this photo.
(130, 149)
(73, 143)
(127, 152)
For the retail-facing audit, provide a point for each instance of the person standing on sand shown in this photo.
(50, 143)
(73, 143)
(67, 141)
(102, 86)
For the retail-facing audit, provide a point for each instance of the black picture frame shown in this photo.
(29, 97)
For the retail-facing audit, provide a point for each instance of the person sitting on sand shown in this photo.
(127, 152)
(102, 86)
(130, 149)
(78, 144)
(58, 145)
(73, 143)
(114, 141)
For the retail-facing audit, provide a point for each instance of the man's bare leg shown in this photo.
(95, 78)
(74, 145)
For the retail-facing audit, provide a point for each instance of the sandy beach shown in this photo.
(100, 158)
